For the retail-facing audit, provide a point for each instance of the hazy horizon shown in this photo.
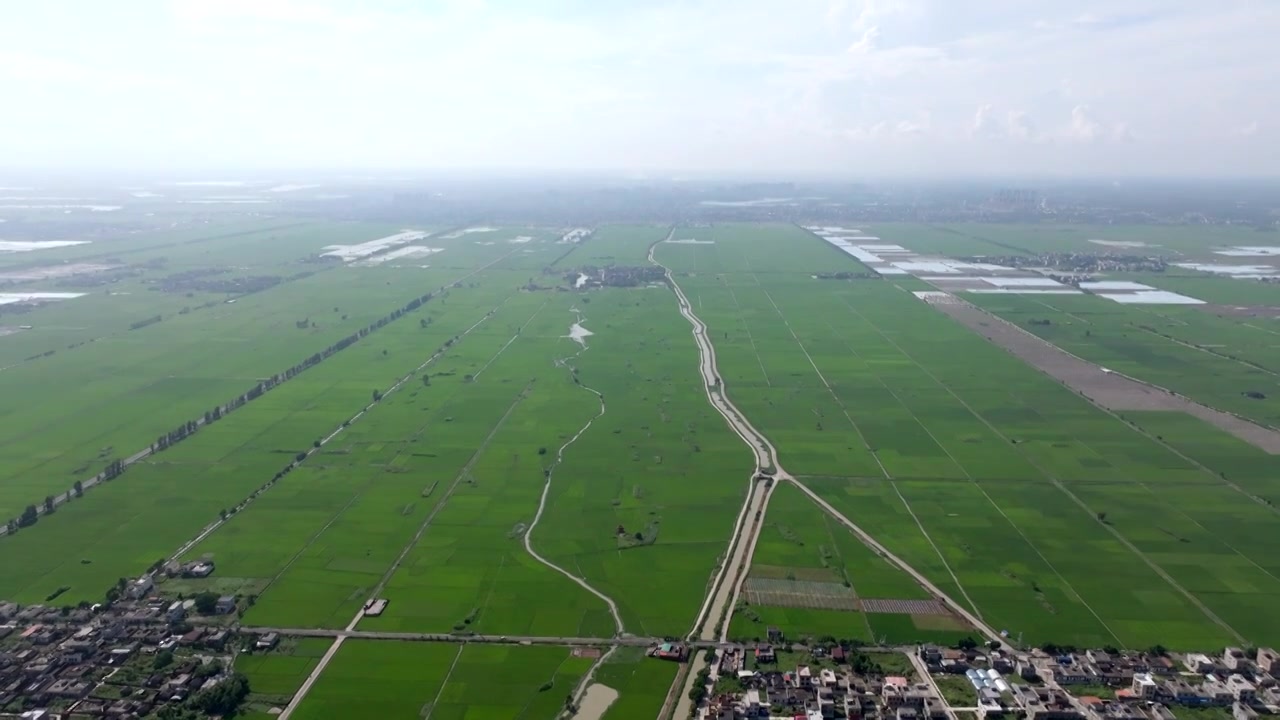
(812, 88)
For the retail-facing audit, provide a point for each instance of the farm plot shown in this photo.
(654, 487)
(446, 682)
(622, 245)
(1229, 363)
(157, 505)
(800, 594)
(133, 387)
(276, 675)
(630, 469)
(414, 462)
(935, 406)
(642, 683)
(811, 577)
(128, 282)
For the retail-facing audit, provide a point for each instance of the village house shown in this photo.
(1268, 661)
(1233, 658)
(1198, 663)
(1065, 671)
(1144, 686)
(140, 588)
(1241, 689)
(1045, 704)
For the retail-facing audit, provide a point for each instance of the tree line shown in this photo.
(116, 467)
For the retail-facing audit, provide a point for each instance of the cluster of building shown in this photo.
(817, 693)
(1138, 686)
(1077, 263)
(1037, 685)
(102, 662)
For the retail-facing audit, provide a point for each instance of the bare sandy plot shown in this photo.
(1105, 388)
(596, 701)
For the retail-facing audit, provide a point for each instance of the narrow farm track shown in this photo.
(148, 451)
(386, 577)
(1083, 505)
(830, 390)
(439, 693)
(733, 573)
(892, 343)
(357, 495)
(208, 530)
(620, 629)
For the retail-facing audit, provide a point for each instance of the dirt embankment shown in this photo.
(1111, 390)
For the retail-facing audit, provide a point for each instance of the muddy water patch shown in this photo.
(595, 701)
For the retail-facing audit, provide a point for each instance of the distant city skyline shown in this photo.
(835, 88)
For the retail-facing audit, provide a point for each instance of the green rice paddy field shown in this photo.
(802, 543)
(419, 455)
(409, 680)
(974, 467)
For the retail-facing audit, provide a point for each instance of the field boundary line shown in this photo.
(444, 500)
(766, 458)
(1218, 478)
(443, 683)
(946, 451)
(920, 526)
(746, 326)
(1190, 402)
(831, 391)
(229, 407)
(619, 626)
(974, 482)
(1115, 533)
(844, 568)
(516, 336)
(302, 692)
(1150, 563)
(440, 352)
(359, 494)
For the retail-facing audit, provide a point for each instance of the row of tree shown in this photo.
(117, 467)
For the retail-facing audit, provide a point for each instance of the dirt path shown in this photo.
(386, 577)
(1108, 389)
(546, 490)
(733, 573)
(209, 529)
(227, 409)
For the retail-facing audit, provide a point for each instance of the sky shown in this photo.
(774, 88)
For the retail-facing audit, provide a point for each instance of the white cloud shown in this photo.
(695, 84)
(1020, 126)
(1249, 129)
(1083, 127)
(985, 123)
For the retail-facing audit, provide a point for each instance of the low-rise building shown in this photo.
(1268, 661)
(1241, 689)
(140, 588)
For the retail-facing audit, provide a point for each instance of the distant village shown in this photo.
(148, 652)
(138, 655)
(1076, 263)
(832, 681)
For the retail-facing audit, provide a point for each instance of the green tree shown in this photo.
(162, 660)
(222, 699)
(206, 603)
